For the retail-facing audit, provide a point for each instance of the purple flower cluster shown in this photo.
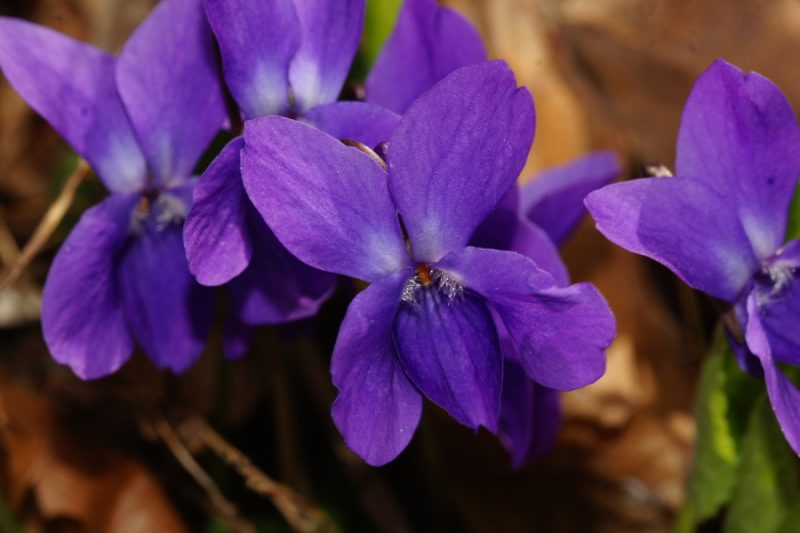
(412, 191)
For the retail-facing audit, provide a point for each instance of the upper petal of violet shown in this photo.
(168, 80)
(427, 44)
(330, 33)
(560, 333)
(377, 409)
(505, 230)
(455, 154)
(739, 135)
(71, 84)
(82, 314)
(326, 202)
(553, 200)
(357, 121)
(257, 41)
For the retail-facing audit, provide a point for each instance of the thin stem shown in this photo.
(53, 217)
(298, 512)
(185, 458)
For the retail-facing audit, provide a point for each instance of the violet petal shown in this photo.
(357, 121)
(71, 84)
(450, 350)
(377, 409)
(682, 223)
(277, 287)
(783, 394)
(739, 135)
(168, 312)
(428, 43)
(455, 154)
(215, 234)
(82, 316)
(331, 31)
(326, 202)
(560, 333)
(553, 200)
(168, 80)
(257, 41)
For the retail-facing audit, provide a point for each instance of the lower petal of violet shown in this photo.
(168, 312)
(276, 287)
(449, 347)
(783, 394)
(378, 408)
(82, 315)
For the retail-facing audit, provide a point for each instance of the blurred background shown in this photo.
(135, 452)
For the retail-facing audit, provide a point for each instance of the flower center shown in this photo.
(424, 273)
(430, 279)
(775, 277)
(159, 208)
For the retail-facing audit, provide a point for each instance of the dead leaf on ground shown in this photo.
(54, 475)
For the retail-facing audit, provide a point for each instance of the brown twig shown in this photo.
(167, 434)
(298, 512)
(47, 226)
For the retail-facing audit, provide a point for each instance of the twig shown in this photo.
(47, 226)
(298, 512)
(185, 458)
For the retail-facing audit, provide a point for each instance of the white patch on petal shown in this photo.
(762, 242)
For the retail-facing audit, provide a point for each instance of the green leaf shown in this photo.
(724, 400)
(791, 522)
(793, 228)
(379, 22)
(768, 490)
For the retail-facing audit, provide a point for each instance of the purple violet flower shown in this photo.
(720, 224)
(142, 122)
(425, 324)
(280, 57)
(427, 43)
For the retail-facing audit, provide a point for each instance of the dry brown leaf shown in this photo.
(56, 474)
